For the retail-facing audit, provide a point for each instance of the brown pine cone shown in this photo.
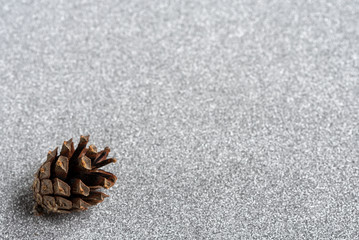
(70, 182)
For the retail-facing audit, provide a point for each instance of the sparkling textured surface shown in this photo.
(229, 118)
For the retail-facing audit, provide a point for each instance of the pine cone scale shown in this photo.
(46, 187)
(61, 167)
(78, 187)
(63, 203)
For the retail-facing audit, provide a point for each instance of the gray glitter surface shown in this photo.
(230, 119)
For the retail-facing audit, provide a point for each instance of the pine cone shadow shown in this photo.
(23, 202)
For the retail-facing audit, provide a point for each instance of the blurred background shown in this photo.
(230, 119)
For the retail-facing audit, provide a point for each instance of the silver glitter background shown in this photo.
(230, 119)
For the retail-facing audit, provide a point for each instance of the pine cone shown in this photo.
(69, 182)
